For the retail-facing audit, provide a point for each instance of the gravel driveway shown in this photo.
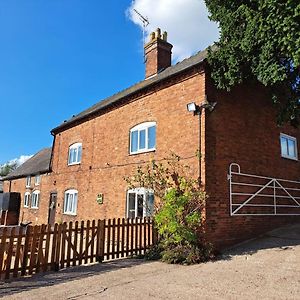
(265, 268)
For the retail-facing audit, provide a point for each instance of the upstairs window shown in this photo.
(28, 181)
(75, 151)
(26, 199)
(35, 199)
(140, 203)
(37, 179)
(288, 146)
(143, 138)
(70, 203)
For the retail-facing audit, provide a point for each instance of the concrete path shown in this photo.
(265, 268)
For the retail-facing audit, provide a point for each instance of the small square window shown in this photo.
(288, 146)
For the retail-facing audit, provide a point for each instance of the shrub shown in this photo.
(178, 215)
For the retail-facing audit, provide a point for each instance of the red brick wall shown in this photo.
(105, 142)
(242, 129)
(36, 216)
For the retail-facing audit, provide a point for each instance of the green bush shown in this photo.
(178, 214)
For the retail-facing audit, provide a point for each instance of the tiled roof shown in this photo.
(37, 164)
(168, 72)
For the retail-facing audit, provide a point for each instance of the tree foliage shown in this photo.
(179, 210)
(259, 39)
(7, 168)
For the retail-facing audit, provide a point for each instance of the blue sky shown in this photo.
(59, 57)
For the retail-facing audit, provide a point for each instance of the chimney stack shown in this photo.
(157, 53)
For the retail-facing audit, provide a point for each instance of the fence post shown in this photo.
(100, 240)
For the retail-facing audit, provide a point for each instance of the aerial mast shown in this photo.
(145, 22)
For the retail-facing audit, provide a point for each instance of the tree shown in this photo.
(259, 40)
(7, 168)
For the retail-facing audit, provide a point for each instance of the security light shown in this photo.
(192, 107)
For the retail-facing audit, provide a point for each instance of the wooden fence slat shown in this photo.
(18, 252)
(63, 245)
(127, 236)
(113, 239)
(136, 229)
(145, 234)
(87, 240)
(131, 236)
(75, 257)
(81, 236)
(93, 241)
(58, 247)
(108, 239)
(69, 241)
(47, 248)
(40, 254)
(118, 238)
(33, 249)
(9, 248)
(122, 237)
(53, 252)
(148, 232)
(2, 251)
(140, 236)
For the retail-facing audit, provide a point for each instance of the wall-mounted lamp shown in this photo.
(197, 109)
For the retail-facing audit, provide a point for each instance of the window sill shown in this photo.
(142, 151)
(26, 206)
(70, 214)
(290, 158)
(74, 164)
(34, 207)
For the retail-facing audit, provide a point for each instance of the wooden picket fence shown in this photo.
(25, 251)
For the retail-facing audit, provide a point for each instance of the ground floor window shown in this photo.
(35, 199)
(70, 203)
(140, 203)
(26, 199)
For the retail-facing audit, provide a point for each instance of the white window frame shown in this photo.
(28, 181)
(291, 138)
(26, 199)
(144, 192)
(74, 147)
(35, 199)
(70, 208)
(140, 127)
(37, 179)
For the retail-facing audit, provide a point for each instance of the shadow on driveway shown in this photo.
(283, 238)
(65, 275)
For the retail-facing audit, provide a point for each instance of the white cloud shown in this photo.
(186, 21)
(20, 160)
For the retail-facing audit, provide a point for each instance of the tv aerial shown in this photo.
(145, 22)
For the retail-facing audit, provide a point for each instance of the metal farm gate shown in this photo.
(253, 195)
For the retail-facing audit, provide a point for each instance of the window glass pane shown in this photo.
(131, 205)
(284, 146)
(149, 204)
(142, 143)
(79, 153)
(151, 137)
(292, 148)
(140, 204)
(134, 141)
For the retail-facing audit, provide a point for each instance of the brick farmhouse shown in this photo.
(94, 150)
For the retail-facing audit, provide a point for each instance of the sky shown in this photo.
(60, 57)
